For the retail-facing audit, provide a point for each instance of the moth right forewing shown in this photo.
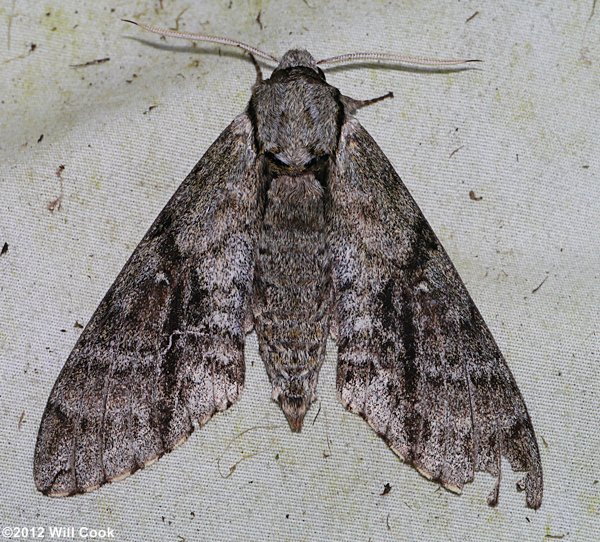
(415, 358)
(164, 349)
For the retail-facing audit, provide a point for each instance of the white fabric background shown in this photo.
(528, 129)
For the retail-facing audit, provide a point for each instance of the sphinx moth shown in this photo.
(295, 225)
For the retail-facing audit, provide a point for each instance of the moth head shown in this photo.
(299, 58)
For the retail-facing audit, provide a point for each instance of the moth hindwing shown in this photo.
(293, 224)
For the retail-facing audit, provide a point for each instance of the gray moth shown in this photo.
(295, 225)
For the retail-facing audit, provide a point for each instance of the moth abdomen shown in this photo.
(292, 291)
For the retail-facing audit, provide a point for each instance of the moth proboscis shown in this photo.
(295, 225)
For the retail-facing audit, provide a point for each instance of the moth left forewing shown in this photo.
(164, 349)
(415, 358)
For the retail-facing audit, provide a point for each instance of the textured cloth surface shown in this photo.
(504, 162)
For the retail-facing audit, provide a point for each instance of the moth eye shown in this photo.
(270, 156)
(316, 161)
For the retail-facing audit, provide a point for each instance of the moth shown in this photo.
(295, 225)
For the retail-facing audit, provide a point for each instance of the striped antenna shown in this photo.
(417, 62)
(201, 37)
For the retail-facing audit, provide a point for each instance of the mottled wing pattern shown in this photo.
(165, 347)
(416, 359)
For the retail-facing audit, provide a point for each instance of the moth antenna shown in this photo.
(201, 37)
(418, 62)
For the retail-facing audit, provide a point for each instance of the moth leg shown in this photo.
(259, 75)
(352, 105)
